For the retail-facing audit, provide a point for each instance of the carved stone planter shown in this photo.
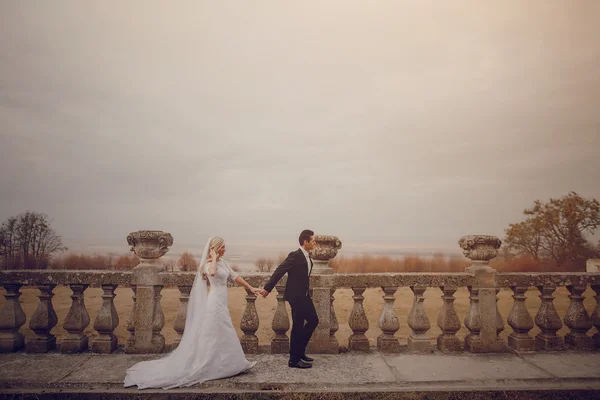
(149, 246)
(480, 249)
(325, 249)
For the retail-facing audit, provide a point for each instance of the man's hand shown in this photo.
(263, 293)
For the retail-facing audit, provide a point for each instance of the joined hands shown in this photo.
(260, 292)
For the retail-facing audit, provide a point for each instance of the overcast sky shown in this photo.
(410, 123)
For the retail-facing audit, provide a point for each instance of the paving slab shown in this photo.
(38, 368)
(571, 365)
(347, 369)
(441, 367)
(108, 368)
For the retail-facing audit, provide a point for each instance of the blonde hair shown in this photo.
(216, 243)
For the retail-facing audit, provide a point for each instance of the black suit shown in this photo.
(297, 294)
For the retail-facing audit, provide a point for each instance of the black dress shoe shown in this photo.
(299, 364)
(307, 358)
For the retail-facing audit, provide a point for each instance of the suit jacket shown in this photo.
(298, 281)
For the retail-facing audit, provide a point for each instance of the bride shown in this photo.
(209, 348)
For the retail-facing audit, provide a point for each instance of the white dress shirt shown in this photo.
(307, 258)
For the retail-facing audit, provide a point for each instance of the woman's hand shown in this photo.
(213, 255)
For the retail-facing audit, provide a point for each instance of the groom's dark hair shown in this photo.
(305, 235)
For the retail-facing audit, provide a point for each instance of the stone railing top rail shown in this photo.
(506, 279)
(429, 279)
(64, 277)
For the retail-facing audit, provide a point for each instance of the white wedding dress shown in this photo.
(209, 349)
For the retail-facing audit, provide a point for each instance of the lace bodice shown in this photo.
(223, 273)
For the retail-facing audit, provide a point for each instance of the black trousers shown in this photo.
(304, 322)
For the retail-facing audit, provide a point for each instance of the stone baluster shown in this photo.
(249, 325)
(358, 322)
(484, 318)
(388, 322)
(158, 321)
(12, 318)
(75, 322)
(578, 320)
(42, 321)
(129, 325)
(448, 322)
(179, 323)
(334, 325)
(418, 321)
(499, 319)
(472, 319)
(148, 318)
(106, 321)
(596, 316)
(520, 321)
(548, 320)
(281, 324)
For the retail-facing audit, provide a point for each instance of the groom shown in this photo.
(298, 266)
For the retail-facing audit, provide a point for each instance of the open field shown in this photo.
(266, 307)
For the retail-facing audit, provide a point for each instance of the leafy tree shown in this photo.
(556, 230)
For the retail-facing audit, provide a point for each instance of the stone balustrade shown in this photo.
(483, 320)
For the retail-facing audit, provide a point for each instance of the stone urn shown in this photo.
(149, 246)
(480, 249)
(325, 249)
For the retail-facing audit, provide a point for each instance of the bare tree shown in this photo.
(264, 264)
(187, 262)
(168, 263)
(28, 241)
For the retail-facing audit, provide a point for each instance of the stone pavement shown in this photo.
(574, 374)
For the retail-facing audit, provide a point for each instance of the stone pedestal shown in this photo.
(321, 267)
(485, 327)
(320, 340)
(325, 249)
(148, 318)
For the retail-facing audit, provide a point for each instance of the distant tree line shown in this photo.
(554, 236)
